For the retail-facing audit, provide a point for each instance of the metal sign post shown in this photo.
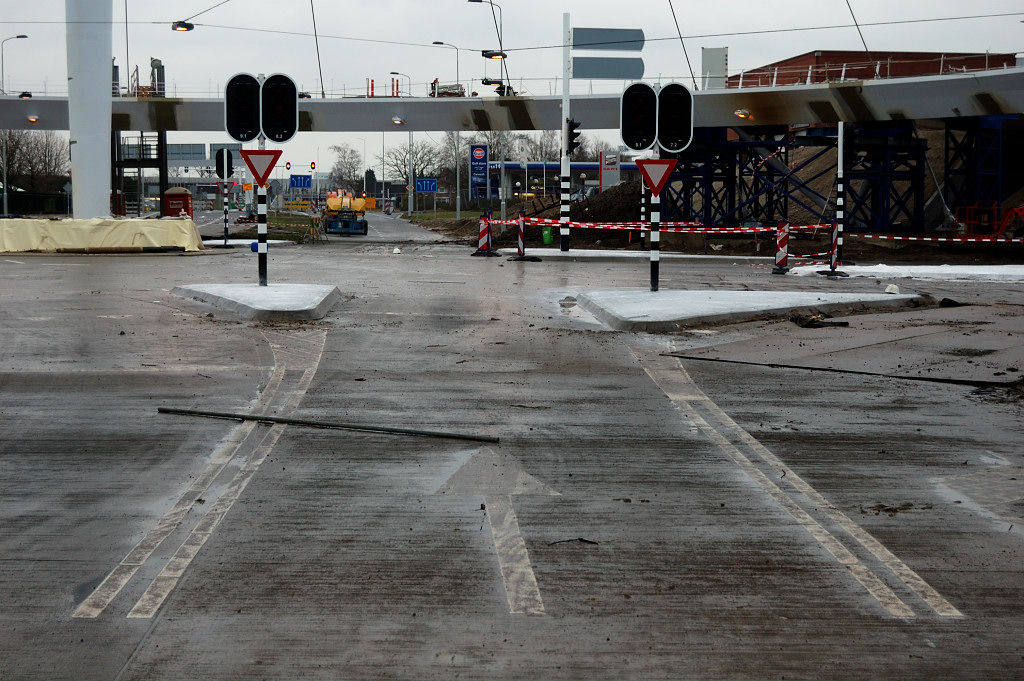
(655, 172)
(224, 187)
(261, 164)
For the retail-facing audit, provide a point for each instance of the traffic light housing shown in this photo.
(224, 167)
(638, 121)
(288, 166)
(675, 117)
(572, 136)
(312, 165)
(242, 107)
(280, 108)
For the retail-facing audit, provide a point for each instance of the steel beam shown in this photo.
(984, 93)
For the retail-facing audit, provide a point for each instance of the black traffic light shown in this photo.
(675, 117)
(572, 136)
(242, 107)
(638, 122)
(280, 108)
(312, 165)
(224, 167)
(288, 166)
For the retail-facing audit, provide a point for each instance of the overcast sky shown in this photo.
(367, 40)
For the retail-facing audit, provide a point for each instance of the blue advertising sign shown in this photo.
(301, 181)
(478, 164)
(426, 185)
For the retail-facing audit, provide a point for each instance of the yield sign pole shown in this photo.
(655, 172)
(261, 163)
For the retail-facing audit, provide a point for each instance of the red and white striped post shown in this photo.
(522, 257)
(837, 242)
(522, 228)
(781, 248)
(484, 240)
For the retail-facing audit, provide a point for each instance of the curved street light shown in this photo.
(4, 149)
(2, 82)
(458, 139)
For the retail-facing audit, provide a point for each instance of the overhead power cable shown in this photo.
(681, 42)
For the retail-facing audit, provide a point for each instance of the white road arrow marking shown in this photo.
(498, 479)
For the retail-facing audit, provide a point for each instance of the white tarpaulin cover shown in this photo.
(97, 234)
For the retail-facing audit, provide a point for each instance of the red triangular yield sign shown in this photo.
(261, 163)
(655, 171)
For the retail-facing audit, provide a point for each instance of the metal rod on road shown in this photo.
(327, 424)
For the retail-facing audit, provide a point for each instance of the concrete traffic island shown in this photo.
(274, 302)
(667, 311)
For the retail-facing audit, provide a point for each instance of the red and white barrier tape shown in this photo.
(698, 228)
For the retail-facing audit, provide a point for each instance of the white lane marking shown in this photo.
(913, 580)
(677, 385)
(308, 354)
(161, 587)
(516, 571)
(119, 577)
(886, 597)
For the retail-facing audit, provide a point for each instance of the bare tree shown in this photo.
(426, 158)
(38, 160)
(546, 146)
(348, 167)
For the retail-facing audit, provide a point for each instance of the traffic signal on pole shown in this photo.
(288, 166)
(572, 136)
(251, 108)
(242, 107)
(312, 165)
(224, 167)
(675, 117)
(280, 108)
(664, 116)
(638, 122)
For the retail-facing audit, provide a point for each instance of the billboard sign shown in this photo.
(478, 164)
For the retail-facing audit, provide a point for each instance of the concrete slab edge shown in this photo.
(246, 311)
(669, 325)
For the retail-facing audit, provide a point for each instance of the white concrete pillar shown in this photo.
(89, 47)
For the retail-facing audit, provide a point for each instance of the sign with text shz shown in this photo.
(478, 164)
(426, 185)
(301, 181)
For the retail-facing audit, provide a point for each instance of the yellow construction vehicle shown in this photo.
(344, 215)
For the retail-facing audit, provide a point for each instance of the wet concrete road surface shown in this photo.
(658, 506)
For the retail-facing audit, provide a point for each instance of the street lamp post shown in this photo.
(4, 91)
(500, 26)
(364, 162)
(458, 140)
(3, 83)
